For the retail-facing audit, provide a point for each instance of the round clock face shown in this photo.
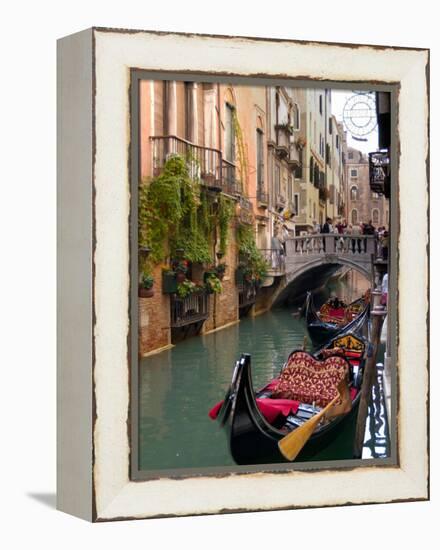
(360, 114)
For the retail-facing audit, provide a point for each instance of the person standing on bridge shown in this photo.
(326, 228)
(356, 232)
(368, 229)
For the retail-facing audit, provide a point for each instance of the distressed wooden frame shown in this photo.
(94, 78)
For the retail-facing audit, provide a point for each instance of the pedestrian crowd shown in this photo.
(354, 232)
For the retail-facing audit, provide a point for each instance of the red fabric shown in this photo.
(269, 408)
(353, 393)
(215, 410)
(348, 353)
(340, 312)
(354, 362)
(271, 384)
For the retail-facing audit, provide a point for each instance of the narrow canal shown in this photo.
(180, 385)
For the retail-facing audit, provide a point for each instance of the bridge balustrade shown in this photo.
(323, 244)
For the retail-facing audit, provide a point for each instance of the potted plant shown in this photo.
(213, 284)
(210, 271)
(220, 271)
(185, 288)
(181, 269)
(146, 286)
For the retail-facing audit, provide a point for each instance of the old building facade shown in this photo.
(275, 153)
(363, 204)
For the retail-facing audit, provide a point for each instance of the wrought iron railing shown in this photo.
(230, 184)
(204, 163)
(247, 295)
(192, 309)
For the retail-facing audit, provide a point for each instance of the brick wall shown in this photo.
(154, 318)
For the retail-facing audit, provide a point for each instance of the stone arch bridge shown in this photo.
(310, 260)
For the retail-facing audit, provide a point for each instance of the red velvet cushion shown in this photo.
(310, 381)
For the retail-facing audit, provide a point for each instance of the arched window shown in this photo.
(375, 216)
(354, 216)
(354, 193)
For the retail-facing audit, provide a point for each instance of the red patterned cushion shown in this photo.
(310, 381)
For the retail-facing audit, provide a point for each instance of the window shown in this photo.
(337, 141)
(350, 154)
(330, 126)
(374, 195)
(290, 188)
(354, 193)
(320, 104)
(296, 204)
(295, 117)
(375, 216)
(188, 113)
(260, 160)
(328, 155)
(229, 133)
(312, 170)
(277, 180)
(354, 173)
(354, 216)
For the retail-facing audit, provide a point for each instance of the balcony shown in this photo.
(262, 197)
(280, 202)
(247, 296)
(192, 309)
(379, 166)
(285, 147)
(230, 184)
(203, 163)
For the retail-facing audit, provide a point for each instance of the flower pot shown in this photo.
(145, 292)
(180, 276)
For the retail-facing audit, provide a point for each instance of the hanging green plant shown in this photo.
(254, 262)
(164, 202)
(243, 164)
(213, 284)
(225, 215)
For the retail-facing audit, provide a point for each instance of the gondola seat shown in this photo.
(311, 381)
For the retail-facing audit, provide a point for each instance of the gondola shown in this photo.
(329, 323)
(252, 423)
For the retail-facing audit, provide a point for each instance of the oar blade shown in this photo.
(291, 445)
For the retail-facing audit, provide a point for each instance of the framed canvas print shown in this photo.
(242, 275)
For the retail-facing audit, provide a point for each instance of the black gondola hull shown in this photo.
(252, 440)
(320, 333)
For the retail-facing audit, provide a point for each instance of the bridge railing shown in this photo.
(331, 243)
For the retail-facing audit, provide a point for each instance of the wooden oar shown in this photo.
(292, 443)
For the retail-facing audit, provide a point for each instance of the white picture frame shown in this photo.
(94, 274)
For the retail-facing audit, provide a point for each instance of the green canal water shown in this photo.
(180, 385)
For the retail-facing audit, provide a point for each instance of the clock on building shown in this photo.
(359, 114)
